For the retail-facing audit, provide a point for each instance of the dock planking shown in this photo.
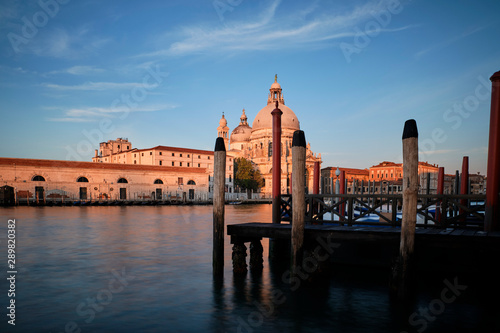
(453, 248)
(283, 231)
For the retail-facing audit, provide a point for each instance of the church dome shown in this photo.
(243, 131)
(264, 119)
(275, 85)
(223, 121)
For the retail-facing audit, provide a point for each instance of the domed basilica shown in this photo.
(255, 143)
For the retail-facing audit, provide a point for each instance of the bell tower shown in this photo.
(223, 130)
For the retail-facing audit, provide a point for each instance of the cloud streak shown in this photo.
(98, 86)
(272, 29)
(448, 42)
(91, 114)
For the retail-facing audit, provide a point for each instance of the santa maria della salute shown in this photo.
(119, 171)
(255, 143)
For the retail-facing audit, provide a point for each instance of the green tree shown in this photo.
(246, 175)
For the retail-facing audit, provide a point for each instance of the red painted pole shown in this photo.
(276, 187)
(316, 178)
(464, 184)
(440, 190)
(342, 191)
(492, 210)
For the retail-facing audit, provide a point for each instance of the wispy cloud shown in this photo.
(97, 86)
(79, 70)
(271, 30)
(448, 42)
(90, 114)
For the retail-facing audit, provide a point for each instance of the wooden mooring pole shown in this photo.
(440, 190)
(492, 209)
(298, 197)
(218, 207)
(402, 271)
(276, 247)
(276, 185)
(464, 185)
(342, 191)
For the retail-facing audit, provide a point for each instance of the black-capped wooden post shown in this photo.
(298, 197)
(218, 206)
(402, 273)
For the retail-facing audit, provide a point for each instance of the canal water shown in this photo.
(148, 269)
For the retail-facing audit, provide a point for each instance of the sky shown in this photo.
(76, 73)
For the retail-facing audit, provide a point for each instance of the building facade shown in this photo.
(36, 179)
(255, 142)
(164, 156)
(390, 173)
(354, 177)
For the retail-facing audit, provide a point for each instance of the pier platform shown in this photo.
(436, 249)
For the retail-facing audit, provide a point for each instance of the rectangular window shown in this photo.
(199, 156)
(188, 164)
(188, 155)
(160, 153)
(142, 154)
(180, 181)
(150, 153)
(180, 163)
(172, 163)
(160, 162)
(199, 165)
(180, 155)
(173, 154)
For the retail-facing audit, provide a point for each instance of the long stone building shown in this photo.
(57, 180)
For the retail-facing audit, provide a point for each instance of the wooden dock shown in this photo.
(438, 249)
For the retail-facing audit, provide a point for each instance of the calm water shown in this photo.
(148, 269)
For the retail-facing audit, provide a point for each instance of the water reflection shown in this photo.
(149, 269)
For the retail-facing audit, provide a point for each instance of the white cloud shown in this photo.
(98, 86)
(274, 29)
(79, 70)
(90, 114)
(448, 42)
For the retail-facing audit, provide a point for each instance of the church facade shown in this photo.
(255, 142)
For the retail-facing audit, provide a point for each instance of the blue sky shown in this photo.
(74, 73)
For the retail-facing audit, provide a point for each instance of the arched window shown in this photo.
(38, 178)
(191, 182)
(158, 181)
(122, 181)
(82, 180)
